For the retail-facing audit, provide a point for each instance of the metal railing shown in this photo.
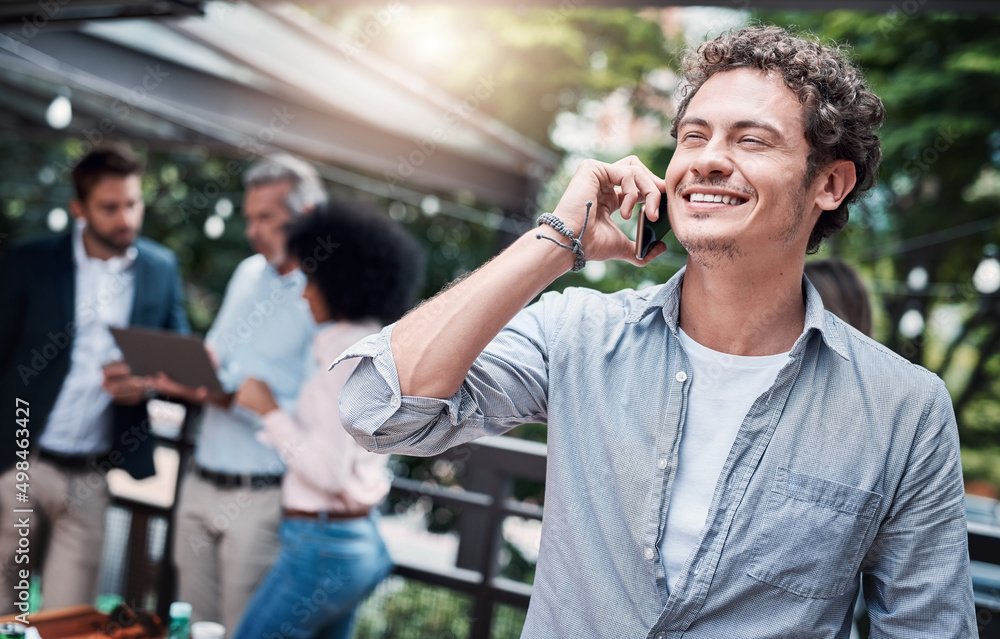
(143, 555)
(490, 467)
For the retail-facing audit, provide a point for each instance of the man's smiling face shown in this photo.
(735, 182)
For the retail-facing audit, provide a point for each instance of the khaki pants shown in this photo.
(66, 533)
(225, 542)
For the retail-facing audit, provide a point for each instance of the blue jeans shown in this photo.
(324, 571)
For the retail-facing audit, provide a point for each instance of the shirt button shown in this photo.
(650, 555)
(681, 376)
(661, 635)
(662, 463)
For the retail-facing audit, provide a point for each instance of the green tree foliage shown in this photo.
(404, 609)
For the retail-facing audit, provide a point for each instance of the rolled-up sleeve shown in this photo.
(919, 584)
(506, 386)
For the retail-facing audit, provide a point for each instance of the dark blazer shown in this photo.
(37, 303)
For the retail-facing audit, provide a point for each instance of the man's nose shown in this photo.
(713, 159)
(125, 216)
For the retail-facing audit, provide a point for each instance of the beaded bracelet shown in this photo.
(575, 244)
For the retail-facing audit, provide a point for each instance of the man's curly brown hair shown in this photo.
(840, 111)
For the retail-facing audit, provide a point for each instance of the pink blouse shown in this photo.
(326, 470)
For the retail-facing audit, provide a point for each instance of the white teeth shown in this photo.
(724, 199)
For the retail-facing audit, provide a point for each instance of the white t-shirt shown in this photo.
(723, 388)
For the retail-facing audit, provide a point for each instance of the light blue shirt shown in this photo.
(848, 465)
(264, 330)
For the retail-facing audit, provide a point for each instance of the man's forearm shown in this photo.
(435, 345)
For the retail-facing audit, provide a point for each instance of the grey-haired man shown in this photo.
(229, 506)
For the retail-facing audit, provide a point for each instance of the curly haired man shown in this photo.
(725, 458)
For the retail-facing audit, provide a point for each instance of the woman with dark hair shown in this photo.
(362, 271)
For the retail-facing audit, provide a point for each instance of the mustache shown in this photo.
(719, 183)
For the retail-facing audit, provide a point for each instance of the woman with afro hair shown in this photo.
(363, 271)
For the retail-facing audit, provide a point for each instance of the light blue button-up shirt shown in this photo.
(264, 330)
(848, 465)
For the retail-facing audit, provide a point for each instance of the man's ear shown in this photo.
(839, 180)
(76, 208)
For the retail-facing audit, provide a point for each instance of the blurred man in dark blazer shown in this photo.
(86, 412)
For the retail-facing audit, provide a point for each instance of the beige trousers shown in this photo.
(225, 542)
(65, 533)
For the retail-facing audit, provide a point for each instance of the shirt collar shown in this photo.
(293, 278)
(667, 299)
(116, 264)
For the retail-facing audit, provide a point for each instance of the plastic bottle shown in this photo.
(12, 631)
(180, 620)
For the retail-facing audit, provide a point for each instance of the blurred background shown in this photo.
(466, 121)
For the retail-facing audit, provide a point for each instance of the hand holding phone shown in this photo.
(648, 233)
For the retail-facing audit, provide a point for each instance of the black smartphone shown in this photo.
(648, 233)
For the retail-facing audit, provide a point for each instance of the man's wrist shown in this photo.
(543, 255)
(573, 242)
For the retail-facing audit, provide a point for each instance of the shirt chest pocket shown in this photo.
(812, 534)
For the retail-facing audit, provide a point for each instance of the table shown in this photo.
(81, 622)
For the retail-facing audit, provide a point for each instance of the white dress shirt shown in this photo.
(80, 421)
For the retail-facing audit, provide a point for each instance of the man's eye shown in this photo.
(752, 140)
